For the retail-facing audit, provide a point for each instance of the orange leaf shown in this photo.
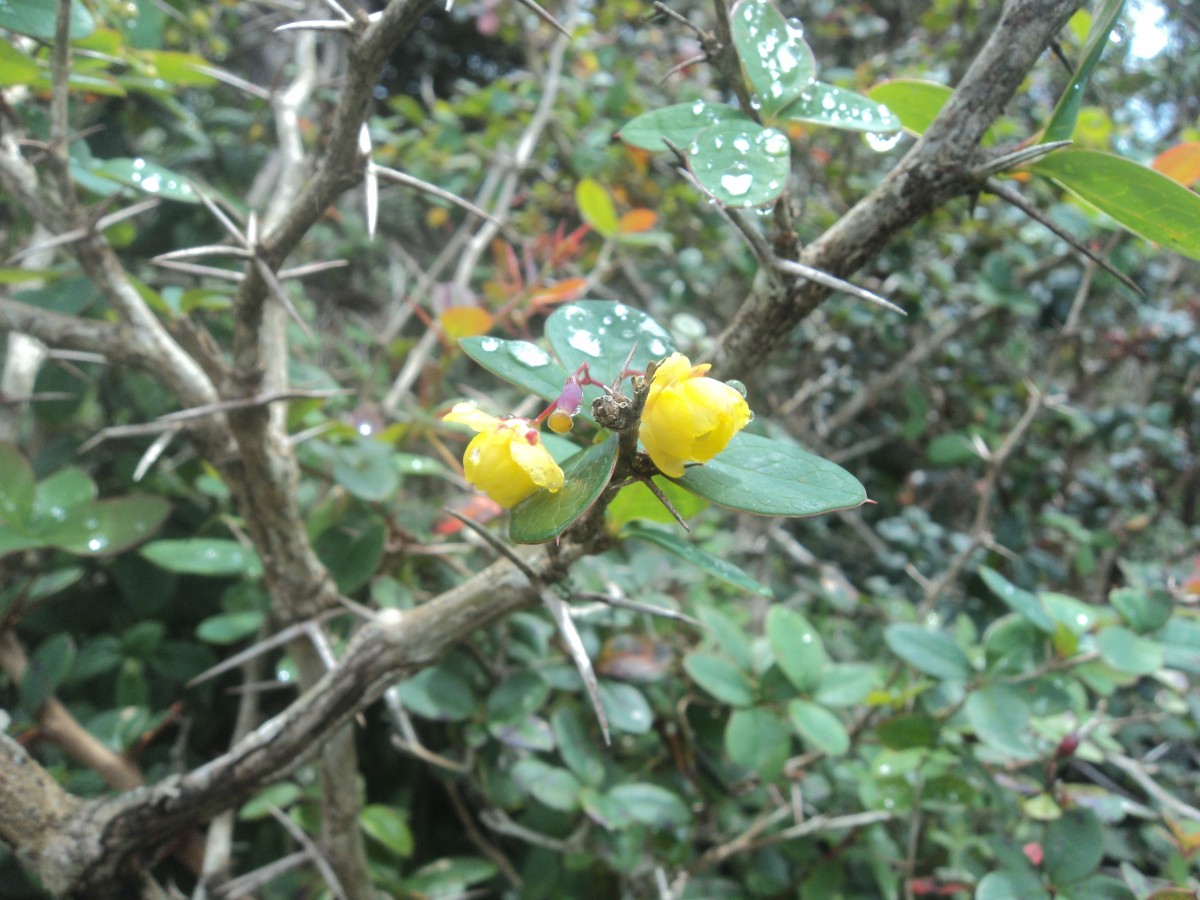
(477, 506)
(465, 321)
(637, 220)
(1181, 162)
(567, 289)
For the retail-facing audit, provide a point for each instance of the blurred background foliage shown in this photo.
(998, 706)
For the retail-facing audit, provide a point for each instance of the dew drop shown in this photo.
(584, 342)
(529, 354)
(489, 344)
(737, 185)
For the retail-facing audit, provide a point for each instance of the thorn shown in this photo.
(544, 16)
(280, 294)
(791, 267)
(435, 191)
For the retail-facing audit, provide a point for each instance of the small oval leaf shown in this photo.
(931, 652)
(773, 478)
(678, 124)
(827, 104)
(544, 516)
(741, 165)
(776, 61)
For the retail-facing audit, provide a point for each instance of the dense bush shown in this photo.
(240, 565)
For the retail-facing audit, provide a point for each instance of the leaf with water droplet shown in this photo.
(773, 478)
(112, 526)
(16, 487)
(776, 61)
(147, 177)
(601, 333)
(544, 516)
(827, 104)
(1061, 126)
(741, 165)
(679, 124)
(511, 360)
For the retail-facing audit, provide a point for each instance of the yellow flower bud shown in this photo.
(506, 459)
(688, 417)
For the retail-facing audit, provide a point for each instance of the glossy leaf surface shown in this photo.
(1144, 201)
(827, 104)
(741, 164)
(773, 478)
(544, 516)
(776, 61)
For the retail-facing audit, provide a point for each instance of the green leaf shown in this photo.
(517, 697)
(1181, 639)
(601, 333)
(16, 487)
(1074, 846)
(38, 18)
(798, 649)
(366, 469)
(112, 526)
(907, 732)
(847, 684)
(449, 876)
(62, 492)
(626, 707)
(352, 552)
(741, 164)
(827, 104)
(596, 207)
(1019, 601)
(147, 177)
(1140, 199)
(916, 103)
(720, 677)
(389, 826)
(1128, 652)
(576, 746)
(281, 796)
(176, 68)
(521, 363)
(1009, 886)
(820, 729)
(679, 124)
(756, 739)
(773, 478)
(776, 61)
(48, 666)
(703, 560)
(1144, 609)
(651, 805)
(556, 788)
(999, 715)
(604, 810)
(440, 694)
(16, 67)
(1061, 126)
(12, 541)
(229, 628)
(638, 502)
(931, 652)
(544, 516)
(204, 556)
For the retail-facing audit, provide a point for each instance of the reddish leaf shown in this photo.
(1034, 853)
(637, 220)
(465, 321)
(1181, 162)
(479, 507)
(567, 289)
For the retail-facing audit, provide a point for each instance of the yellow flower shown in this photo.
(506, 460)
(688, 417)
